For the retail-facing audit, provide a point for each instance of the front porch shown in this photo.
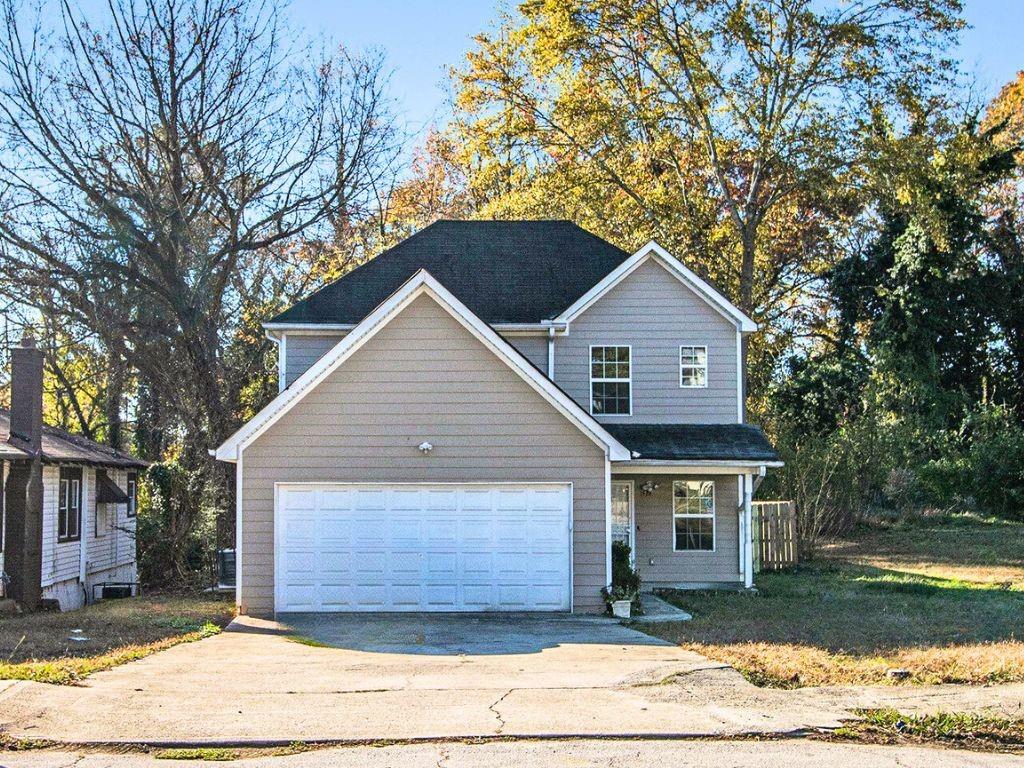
(686, 529)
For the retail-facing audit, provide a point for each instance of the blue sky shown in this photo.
(423, 38)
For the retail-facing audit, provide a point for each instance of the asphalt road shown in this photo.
(583, 753)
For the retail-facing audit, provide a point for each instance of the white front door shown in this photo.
(622, 514)
(418, 547)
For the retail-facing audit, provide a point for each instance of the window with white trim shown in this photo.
(693, 515)
(693, 367)
(611, 381)
(69, 504)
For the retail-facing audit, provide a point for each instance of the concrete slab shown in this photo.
(414, 677)
(657, 610)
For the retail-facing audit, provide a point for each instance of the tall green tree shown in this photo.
(724, 129)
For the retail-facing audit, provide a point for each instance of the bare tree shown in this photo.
(160, 173)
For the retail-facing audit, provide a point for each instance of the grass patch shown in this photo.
(39, 646)
(310, 641)
(956, 729)
(943, 600)
(202, 753)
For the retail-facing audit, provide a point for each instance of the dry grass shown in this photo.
(39, 646)
(942, 600)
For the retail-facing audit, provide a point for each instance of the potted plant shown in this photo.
(623, 594)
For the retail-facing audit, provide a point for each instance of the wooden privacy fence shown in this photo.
(774, 535)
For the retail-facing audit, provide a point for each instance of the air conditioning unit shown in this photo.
(226, 569)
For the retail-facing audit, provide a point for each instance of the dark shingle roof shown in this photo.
(504, 271)
(695, 442)
(61, 446)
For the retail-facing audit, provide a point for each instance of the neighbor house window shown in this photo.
(133, 493)
(693, 366)
(69, 504)
(693, 515)
(610, 382)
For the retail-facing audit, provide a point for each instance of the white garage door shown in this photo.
(343, 547)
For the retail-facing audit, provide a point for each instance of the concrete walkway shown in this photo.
(427, 677)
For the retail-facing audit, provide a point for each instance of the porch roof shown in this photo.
(695, 442)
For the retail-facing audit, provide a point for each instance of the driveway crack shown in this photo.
(494, 708)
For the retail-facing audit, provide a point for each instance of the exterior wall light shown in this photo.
(425, 447)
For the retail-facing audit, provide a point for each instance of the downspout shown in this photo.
(82, 532)
(551, 352)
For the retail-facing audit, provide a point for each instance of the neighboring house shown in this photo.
(468, 421)
(68, 516)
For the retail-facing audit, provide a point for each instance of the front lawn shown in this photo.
(40, 646)
(942, 600)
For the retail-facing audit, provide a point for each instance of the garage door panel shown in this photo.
(423, 548)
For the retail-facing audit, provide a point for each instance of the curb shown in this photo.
(41, 743)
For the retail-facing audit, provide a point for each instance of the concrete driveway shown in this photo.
(348, 678)
(405, 677)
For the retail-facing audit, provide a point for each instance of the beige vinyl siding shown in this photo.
(655, 535)
(655, 313)
(116, 546)
(422, 377)
(302, 350)
(533, 348)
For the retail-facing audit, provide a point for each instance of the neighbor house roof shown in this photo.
(60, 446)
(503, 271)
(695, 442)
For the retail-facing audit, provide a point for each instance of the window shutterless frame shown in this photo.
(133, 493)
(69, 504)
(693, 366)
(697, 513)
(609, 387)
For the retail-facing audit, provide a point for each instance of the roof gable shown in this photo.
(421, 283)
(503, 271)
(652, 251)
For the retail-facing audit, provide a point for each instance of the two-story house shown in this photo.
(468, 421)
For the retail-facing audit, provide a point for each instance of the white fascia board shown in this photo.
(654, 467)
(307, 328)
(675, 267)
(420, 283)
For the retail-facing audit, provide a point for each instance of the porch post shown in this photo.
(748, 544)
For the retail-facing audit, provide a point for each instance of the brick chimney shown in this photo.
(27, 394)
(23, 494)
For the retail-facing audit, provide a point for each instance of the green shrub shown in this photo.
(625, 579)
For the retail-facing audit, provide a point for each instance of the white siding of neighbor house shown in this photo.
(422, 377)
(655, 536)
(116, 544)
(60, 560)
(107, 557)
(655, 313)
(533, 348)
(302, 350)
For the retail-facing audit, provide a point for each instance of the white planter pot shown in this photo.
(621, 609)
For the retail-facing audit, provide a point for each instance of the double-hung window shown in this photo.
(69, 504)
(693, 367)
(133, 493)
(611, 390)
(693, 515)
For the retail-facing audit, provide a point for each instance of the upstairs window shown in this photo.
(611, 391)
(69, 504)
(693, 367)
(693, 515)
